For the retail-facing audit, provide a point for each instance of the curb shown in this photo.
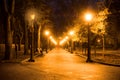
(96, 61)
(9, 61)
(17, 60)
(106, 63)
(26, 60)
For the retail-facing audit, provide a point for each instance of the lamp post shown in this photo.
(47, 34)
(88, 18)
(71, 34)
(66, 38)
(39, 39)
(32, 40)
(103, 44)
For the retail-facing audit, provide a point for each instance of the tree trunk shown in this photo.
(115, 43)
(8, 13)
(95, 49)
(39, 31)
(26, 39)
(8, 40)
(19, 44)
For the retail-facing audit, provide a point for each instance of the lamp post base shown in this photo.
(89, 60)
(31, 60)
(71, 51)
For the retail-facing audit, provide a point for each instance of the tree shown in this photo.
(18, 33)
(8, 11)
(42, 12)
(113, 23)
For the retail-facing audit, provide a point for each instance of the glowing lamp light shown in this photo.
(71, 33)
(51, 38)
(88, 17)
(47, 32)
(32, 16)
(66, 37)
(64, 40)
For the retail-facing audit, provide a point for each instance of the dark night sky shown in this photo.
(64, 12)
(59, 13)
(61, 16)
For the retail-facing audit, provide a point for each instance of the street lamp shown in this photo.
(66, 41)
(32, 39)
(88, 18)
(47, 34)
(71, 34)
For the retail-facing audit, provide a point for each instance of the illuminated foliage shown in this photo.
(100, 23)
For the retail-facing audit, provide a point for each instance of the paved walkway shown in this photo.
(58, 64)
(110, 58)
